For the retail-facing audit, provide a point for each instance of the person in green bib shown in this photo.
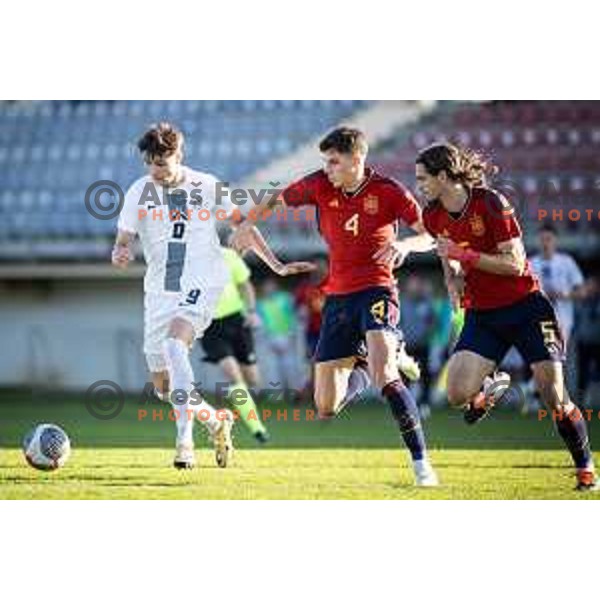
(229, 342)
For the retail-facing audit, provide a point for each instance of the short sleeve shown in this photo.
(240, 273)
(406, 208)
(302, 192)
(129, 217)
(501, 218)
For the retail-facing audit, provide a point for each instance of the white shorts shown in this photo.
(160, 308)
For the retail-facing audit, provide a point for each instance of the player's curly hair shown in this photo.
(161, 140)
(461, 164)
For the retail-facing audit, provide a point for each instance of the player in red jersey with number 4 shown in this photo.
(477, 232)
(358, 213)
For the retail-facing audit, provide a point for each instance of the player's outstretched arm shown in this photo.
(397, 251)
(421, 242)
(121, 253)
(454, 280)
(252, 240)
(243, 236)
(510, 259)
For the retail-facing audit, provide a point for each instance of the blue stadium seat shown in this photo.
(50, 152)
(548, 147)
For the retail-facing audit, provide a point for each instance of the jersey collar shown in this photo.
(369, 172)
(465, 208)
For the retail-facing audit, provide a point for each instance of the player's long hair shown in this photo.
(463, 165)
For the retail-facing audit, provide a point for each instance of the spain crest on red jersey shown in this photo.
(371, 204)
(477, 225)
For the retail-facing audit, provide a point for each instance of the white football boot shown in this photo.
(222, 439)
(493, 389)
(407, 364)
(424, 474)
(184, 457)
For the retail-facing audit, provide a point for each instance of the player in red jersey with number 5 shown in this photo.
(358, 215)
(480, 240)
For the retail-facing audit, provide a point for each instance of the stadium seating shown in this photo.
(548, 154)
(50, 152)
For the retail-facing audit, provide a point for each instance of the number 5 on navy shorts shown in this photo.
(530, 326)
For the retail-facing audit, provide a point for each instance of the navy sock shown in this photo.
(573, 430)
(405, 412)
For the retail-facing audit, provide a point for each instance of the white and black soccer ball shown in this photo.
(46, 447)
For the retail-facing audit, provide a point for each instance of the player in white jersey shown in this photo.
(174, 210)
(560, 276)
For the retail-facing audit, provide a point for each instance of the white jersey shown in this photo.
(559, 274)
(177, 231)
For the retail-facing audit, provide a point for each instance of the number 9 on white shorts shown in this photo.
(160, 308)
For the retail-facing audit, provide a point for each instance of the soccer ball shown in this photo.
(46, 447)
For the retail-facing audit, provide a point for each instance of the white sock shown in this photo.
(162, 396)
(358, 382)
(181, 377)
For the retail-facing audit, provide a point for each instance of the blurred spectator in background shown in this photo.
(560, 277)
(309, 303)
(562, 281)
(588, 337)
(279, 323)
(457, 320)
(418, 322)
(442, 333)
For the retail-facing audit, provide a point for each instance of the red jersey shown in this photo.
(482, 225)
(355, 226)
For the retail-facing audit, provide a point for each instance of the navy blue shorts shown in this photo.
(311, 339)
(347, 318)
(530, 325)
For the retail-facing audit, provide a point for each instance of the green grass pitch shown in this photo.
(358, 456)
